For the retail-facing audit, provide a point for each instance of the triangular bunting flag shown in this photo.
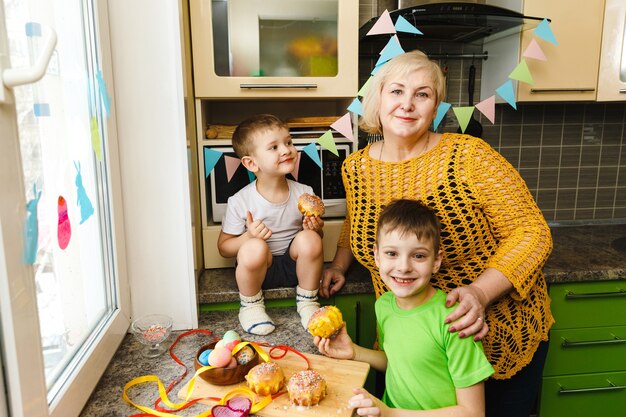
(544, 32)
(363, 89)
(210, 159)
(507, 93)
(522, 73)
(251, 176)
(463, 115)
(403, 25)
(328, 143)
(356, 107)
(390, 50)
(488, 108)
(231, 166)
(377, 67)
(344, 126)
(311, 151)
(534, 51)
(382, 25)
(441, 112)
(294, 173)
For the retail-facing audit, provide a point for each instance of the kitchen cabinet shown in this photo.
(612, 76)
(571, 72)
(585, 371)
(274, 48)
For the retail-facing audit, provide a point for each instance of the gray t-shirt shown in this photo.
(283, 219)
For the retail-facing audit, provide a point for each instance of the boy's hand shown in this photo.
(366, 404)
(314, 223)
(339, 346)
(256, 228)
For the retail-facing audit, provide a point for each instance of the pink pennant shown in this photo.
(231, 166)
(534, 51)
(384, 24)
(344, 126)
(295, 170)
(488, 108)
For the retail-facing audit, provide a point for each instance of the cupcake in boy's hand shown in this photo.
(325, 322)
(311, 205)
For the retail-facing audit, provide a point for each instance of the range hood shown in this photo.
(458, 22)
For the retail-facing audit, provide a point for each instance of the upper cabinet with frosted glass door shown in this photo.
(275, 48)
(612, 76)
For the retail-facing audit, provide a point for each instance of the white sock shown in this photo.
(253, 317)
(306, 304)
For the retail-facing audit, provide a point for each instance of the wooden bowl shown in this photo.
(224, 376)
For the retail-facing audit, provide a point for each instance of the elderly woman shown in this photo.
(494, 237)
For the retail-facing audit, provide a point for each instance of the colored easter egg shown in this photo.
(232, 363)
(245, 355)
(220, 357)
(203, 358)
(220, 343)
(231, 335)
(231, 345)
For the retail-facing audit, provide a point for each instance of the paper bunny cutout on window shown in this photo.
(31, 229)
(86, 209)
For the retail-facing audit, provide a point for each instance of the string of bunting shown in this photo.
(385, 25)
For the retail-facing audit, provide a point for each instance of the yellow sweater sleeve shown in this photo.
(524, 237)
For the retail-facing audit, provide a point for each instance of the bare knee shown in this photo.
(307, 243)
(253, 254)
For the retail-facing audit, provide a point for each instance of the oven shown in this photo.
(325, 181)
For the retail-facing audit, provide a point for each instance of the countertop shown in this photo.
(581, 253)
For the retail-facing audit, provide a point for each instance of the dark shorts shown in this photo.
(282, 272)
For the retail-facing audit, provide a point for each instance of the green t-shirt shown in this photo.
(425, 362)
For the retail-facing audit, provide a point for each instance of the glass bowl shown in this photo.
(152, 330)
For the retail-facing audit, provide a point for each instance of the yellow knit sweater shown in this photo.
(489, 220)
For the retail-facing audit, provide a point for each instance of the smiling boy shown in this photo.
(263, 228)
(426, 366)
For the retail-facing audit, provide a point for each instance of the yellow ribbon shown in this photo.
(256, 406)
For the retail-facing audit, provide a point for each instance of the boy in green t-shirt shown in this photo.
(426, 366)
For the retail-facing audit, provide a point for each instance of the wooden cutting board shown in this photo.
(340, 375)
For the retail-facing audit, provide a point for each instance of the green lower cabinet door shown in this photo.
(602, 394)
(583, 351)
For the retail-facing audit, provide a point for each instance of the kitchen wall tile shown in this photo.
(612, 134)
(605, 197)
(552, 135)
(589, 155)
(531, 135)
(511, 135)
(512, 155)
(547, 199)
(574, 113)
(610, 155)
(619, 213)
(585, 198)
(531, 177)
(588, 177)
(532, 114)
(510, 115)
(621, 176)
(565, 214)
(594, 113)
(614, 113)
(607, 176)
(620, 197)
(568, 177)
(566, 198)
(553, 114)
(584, 214)
(572, 134)
(529, 157)
(570, 156)
(548, 178)
(550, 157)
(603, 213)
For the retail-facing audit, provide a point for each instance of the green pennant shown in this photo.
(463, 115)
(328, 143)
(363, 89)
(522, 73)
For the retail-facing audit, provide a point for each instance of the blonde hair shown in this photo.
(400, 65)
(243, 136)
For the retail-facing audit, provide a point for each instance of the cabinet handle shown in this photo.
(616, 340)
(611, 387)
(572, 295)
(261, 86)
(561, 90)
(622, 90)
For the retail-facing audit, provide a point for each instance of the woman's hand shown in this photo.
(366, 404)
(468, 318)
(339, 346)
(333, 280)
